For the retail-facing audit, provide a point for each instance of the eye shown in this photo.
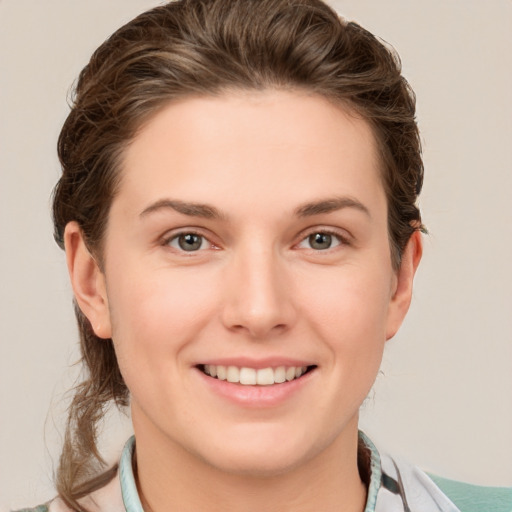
(321, 241)
(188, 242)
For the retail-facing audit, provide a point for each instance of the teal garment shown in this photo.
(40, 508)
(394, 486)
(475, 498)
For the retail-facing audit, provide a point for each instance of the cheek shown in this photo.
(349, 309)
(157, 311)
(349, 297)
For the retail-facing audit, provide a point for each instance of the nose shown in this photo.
(258, 298)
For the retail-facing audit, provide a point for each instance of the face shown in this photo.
(248, 285)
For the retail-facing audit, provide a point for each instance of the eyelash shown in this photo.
(342, 240)
(166, 241)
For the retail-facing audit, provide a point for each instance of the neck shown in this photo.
(329, 481)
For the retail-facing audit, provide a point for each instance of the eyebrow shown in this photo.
(210, 212)
(330, 205)
(192, 209)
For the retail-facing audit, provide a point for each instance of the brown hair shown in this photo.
(205, 47)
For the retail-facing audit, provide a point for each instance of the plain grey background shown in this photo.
(444, 399)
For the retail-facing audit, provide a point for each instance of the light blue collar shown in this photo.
(129, 492)
(375, 473)
(132, 502)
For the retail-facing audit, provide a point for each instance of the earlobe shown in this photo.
(87, 280)
(402, 292)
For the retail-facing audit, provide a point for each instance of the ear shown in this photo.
(87, 280)
(403, 284)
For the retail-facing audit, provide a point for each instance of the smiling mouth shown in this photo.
(255, 377)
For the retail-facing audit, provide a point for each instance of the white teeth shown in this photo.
(251, 376)
(265, 377)
(247, 376)
(233, 374)
(280, 374)
(290, 373)
(221, 372)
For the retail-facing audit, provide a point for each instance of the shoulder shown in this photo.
(421, 491)
(106, 499)
(110, 497)
(40, 508)
(56, 505)
(475, 498)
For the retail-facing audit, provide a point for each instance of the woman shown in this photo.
(238, 210)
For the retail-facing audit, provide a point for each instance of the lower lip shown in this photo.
(256, 396)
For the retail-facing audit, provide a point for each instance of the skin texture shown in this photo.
(255, 291)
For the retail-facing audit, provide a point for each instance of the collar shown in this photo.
(131, 497)
(375, 473)
(129, 492)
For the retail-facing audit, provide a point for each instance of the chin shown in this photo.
(262, 465)
(263, 455)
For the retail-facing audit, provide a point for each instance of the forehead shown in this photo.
(250, 144)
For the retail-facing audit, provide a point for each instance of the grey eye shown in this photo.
(188, 242)
(320, 241)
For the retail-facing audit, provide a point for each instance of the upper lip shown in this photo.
(245, 362)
